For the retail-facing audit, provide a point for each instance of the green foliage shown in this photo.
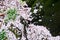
(11, 14)
(2, 35)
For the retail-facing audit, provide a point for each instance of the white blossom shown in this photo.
(35, 10)
(40, 20)
(41, 6)
(34, 32)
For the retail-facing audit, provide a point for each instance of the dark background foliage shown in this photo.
(49, 14)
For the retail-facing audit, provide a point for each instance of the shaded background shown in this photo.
(49, 14)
